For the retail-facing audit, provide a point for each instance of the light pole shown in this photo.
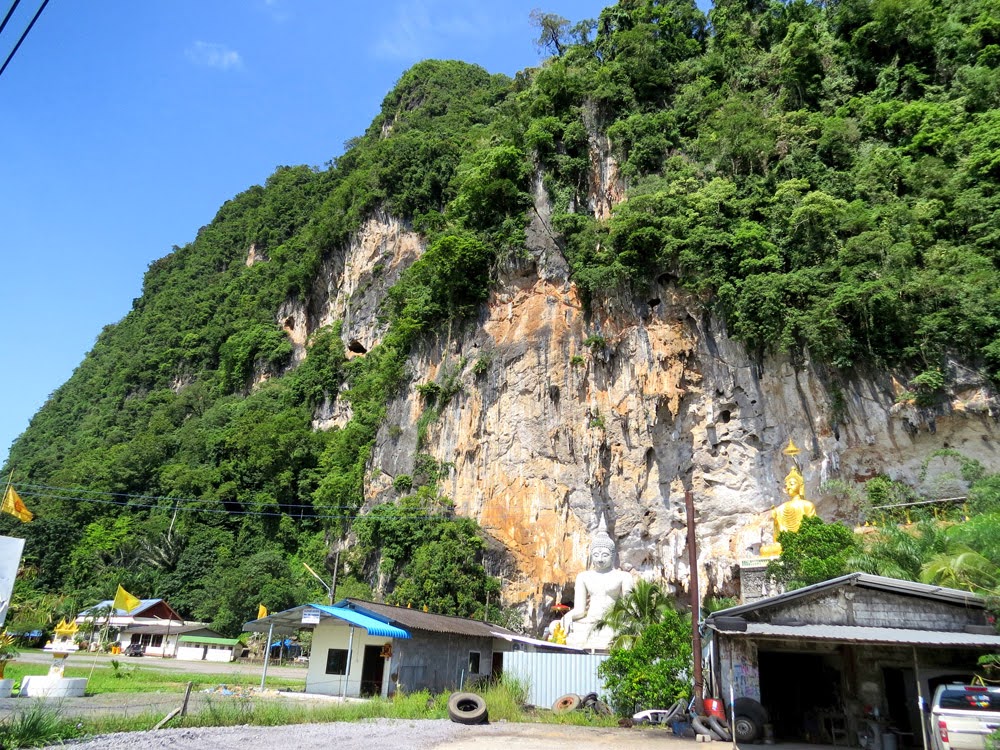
(329, 589)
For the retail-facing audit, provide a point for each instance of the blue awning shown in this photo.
(373, 626)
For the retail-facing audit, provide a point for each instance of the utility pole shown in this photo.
(333, 586)
(692, 544)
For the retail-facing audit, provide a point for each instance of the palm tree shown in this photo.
(961, 567)
(632, 613)
(896, 552)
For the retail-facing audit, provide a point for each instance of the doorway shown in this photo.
(801, 692)
(371, 671)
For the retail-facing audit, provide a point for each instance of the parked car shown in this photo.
(962, 716)
(134, 649)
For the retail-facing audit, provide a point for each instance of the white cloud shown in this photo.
(214, 56)
(422, 29)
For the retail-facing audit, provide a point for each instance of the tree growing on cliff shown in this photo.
(818, 551)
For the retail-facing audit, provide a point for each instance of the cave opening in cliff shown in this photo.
(357, 347)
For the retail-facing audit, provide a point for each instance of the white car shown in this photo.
(963, 716)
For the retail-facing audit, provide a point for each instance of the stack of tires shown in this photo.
(749, 718)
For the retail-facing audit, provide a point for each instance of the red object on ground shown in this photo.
(714, 707)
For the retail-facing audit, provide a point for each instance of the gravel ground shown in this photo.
(397, 734)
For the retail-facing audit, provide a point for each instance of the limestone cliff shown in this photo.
(564, 414)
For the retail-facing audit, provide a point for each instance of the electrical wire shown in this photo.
(3, 24)
(124, 500)
(23, 36)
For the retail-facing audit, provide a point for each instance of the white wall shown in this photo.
(328, 635)
(197, 652)
(190, 652)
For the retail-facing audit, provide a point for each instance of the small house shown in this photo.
(364, 648)
(853, 655)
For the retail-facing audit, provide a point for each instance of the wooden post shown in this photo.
(692, 544)
(187, 694)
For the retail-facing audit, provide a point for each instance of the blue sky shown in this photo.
(125, 125)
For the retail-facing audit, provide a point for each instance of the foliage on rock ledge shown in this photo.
(823, 174)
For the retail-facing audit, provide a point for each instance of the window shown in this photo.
(473, 662)
(157, 641)
(336, 661)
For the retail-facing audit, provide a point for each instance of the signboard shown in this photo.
(10, 559)
(310, 616)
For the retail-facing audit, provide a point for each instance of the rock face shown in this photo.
(565, 414)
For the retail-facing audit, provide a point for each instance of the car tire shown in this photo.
(754, 717)
(746, 728)
(700, 726)
(567, 703)
(674, 712)
(600, 708)
(720, 727)
(467, 708)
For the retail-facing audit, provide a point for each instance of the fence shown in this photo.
(550, 676)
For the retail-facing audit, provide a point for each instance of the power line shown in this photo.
(123, 500)
(3, 24)
(25, 34)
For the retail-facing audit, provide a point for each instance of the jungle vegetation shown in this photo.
(823, 175)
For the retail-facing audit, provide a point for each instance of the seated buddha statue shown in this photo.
(596, 590)
(788, 516)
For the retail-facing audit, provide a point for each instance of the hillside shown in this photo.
(514, 304)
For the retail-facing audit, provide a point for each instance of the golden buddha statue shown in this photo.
(788, 516)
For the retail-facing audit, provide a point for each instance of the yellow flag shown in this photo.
(261, 612)
(13, 504)
(124, 600)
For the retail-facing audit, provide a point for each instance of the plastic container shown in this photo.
(714, 707)
(681, 728)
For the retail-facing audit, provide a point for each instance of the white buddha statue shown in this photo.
(596, 590)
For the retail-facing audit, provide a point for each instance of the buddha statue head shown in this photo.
(602, 549)
(795, 485)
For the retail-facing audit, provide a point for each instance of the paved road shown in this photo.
(404, 734)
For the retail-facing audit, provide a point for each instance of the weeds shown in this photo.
(39, 724)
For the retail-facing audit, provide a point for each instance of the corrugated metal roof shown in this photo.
(419, 620)
(369, 623)
(167, 626)
(865, 580)
(209, 640)
(859, 634)
(104, 606)
(538, 644)
(290, 621)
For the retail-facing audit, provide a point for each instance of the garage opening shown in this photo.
(802, 695)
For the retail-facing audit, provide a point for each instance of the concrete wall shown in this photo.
(328, 635)
(438, 661)
(853, 605)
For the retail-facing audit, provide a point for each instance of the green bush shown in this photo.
(655, 672)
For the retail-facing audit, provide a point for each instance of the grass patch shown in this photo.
(43, 724)
(140, 678)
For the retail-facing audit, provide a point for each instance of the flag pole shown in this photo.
(100, 640)
(10, 477)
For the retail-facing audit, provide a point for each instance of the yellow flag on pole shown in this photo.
(124, 600)
(261, 612)
(13, 504)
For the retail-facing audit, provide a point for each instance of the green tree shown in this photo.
(818, 551)
(646, 604)
(655, 671)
